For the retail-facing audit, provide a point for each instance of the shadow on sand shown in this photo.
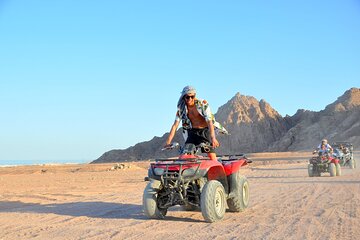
(77, 209)
(106, 210)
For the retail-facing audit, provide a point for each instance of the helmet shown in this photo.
(324, 141)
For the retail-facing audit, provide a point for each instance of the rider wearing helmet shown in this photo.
(324, 147)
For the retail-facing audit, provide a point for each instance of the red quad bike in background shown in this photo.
(324, 162)
(194, 181)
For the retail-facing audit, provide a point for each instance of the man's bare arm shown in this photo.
(172, 132)
(214, 141)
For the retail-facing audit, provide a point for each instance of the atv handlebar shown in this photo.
(207, 147)
(170, 146)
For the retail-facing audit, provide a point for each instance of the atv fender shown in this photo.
(234, 166)
(218, 173)
(335, 161)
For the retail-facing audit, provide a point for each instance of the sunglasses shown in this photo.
(187, 97)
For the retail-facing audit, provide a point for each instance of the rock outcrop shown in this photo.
(253, 125)
(339, 121)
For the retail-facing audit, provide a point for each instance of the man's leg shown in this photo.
(205, 135)
(212, 156)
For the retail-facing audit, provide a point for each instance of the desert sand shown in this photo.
(87, 201)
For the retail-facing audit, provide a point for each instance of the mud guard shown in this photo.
(335, 161)
(218, 173)
(234, 166)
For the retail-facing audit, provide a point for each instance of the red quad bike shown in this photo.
(324, 162)
(194, 181)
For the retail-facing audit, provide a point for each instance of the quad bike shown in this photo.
(194, 181)
(324, 162)
(344, 152)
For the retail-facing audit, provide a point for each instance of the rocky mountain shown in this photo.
(339, 121)
(256, 127)
(253, 125)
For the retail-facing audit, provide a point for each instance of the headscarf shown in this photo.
(186, 90)
(181, 103)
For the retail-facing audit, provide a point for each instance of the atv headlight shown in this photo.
(159, 171)
(188, 172)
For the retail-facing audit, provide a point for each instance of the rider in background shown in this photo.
(198, 122)
(324, 147)
(344, 149)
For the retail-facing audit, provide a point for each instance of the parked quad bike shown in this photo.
(194, 181)
(324, 162)
(344, 152)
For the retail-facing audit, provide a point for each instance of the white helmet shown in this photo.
(324, 141)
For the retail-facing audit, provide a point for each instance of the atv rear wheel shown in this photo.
(338, 169)
(150, 207)
(352, 163)
(239, 193)
(213, 201)
(332, 169)
(311, 170)
(355, 164)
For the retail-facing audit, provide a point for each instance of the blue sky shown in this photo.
(78, 78)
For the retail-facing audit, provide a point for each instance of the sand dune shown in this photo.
(90, 202)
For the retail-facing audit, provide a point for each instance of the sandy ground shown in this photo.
(90, 202)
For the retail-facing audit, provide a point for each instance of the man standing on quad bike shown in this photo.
(198, 122)
(324, 147)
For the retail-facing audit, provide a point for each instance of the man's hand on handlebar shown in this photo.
(170, 146)
(215, 143)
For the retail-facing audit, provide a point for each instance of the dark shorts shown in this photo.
(197, 136)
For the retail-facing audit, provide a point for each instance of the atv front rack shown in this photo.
(174, 168)
(176, 178)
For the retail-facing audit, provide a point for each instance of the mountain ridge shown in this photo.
(257, 127)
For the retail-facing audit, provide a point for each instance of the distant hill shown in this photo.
(339, 121)
(256, 127)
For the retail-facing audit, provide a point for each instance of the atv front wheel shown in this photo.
(332, 169)
(352, 163)
(239, 193)
(355, 164)
(150, 207)
(338, 169)
(311, 170)
(213, 201)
